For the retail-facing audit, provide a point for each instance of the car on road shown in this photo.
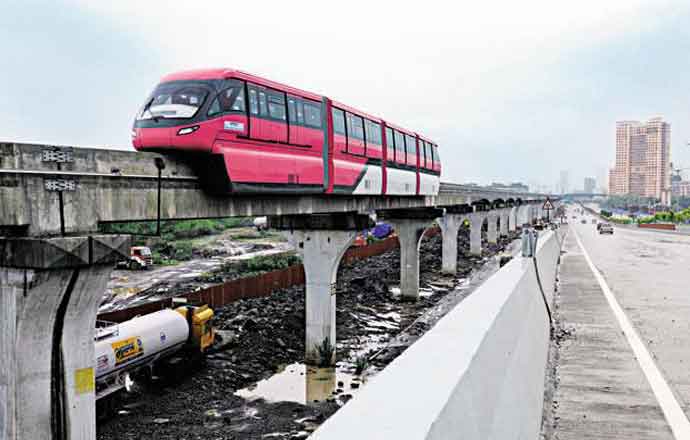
(605, 228)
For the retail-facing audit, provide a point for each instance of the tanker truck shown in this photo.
(135, 347)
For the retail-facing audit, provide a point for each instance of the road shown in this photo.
(608, 389)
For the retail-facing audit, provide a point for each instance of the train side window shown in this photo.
(229, 100)
(292, 111)
(312, 115)
(263, 105)
(338, 121)
(390, 142)
(253, 101)
(437, 158)
(424, 159)
(276, 105)
(411, 146)
(238, 103)
(355, 127)
(300, 112)
(214, 109)
(399, 146)
(373, 131)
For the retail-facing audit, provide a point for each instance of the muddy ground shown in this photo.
(268, 333)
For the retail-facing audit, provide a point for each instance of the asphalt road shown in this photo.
(605, 389)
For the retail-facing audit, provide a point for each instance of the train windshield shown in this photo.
(174, 101)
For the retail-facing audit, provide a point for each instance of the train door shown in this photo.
(267, 113)
(230, 107)
(389, 169)
(374, 152)
(306, 142)
(355, 134)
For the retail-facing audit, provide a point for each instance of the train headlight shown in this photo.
(187, 130)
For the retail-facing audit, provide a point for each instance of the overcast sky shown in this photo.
(511, 91)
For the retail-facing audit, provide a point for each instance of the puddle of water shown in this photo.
(302, 384)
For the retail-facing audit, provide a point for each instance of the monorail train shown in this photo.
(135, 347)
(246, 134)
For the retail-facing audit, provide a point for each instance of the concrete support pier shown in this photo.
(524, 215)
(491, 231)
(410, 226)
(322, 240)
(512, 219)
(50, 290)
(503, 215)
(476, 222)
(450, 224)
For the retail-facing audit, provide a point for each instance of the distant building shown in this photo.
(643, 160)
(517, 187)
(680, 187)
(563, 184)
(590, 185)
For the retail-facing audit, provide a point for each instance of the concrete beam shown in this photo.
(50, 291)
(101, 185)
(322, 241)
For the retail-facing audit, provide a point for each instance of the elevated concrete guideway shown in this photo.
(47, 190)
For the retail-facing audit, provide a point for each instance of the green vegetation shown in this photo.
(177, 230)
(325, 350)
(175, 242)
(262, 263)
(668, 217)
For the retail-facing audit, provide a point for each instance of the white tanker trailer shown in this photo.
(136, 345)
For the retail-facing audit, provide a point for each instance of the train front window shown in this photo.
(172, 101)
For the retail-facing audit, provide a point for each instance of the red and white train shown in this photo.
(246, 134)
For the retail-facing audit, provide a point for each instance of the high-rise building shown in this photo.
(643, 159)
(563, 182)
(590, 185)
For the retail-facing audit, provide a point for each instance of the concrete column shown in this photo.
(52, 288)
(410, 232)
(321, 252)
(8, 368)
(512, 219)
(503, 216)
(322, 240)
(523, 215)
(476, 221)
(450, 225)
(491, 233)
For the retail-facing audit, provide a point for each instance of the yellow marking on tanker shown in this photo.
(127, 349)
(84, 381)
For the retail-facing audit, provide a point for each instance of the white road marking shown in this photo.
(675, 417)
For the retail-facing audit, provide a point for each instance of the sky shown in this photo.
(511, 91)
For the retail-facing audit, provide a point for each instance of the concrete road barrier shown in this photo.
(478, 374)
